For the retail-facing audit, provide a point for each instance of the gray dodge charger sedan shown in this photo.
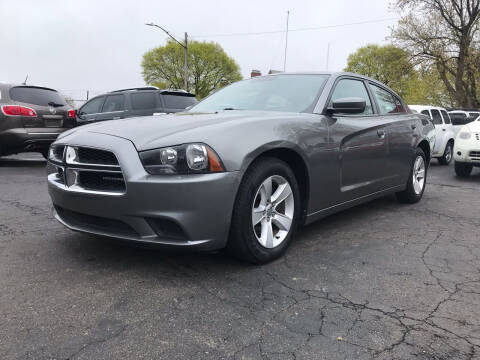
(245, 167)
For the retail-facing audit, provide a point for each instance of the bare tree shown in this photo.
(443, 34)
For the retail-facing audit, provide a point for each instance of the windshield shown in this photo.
(292, 93)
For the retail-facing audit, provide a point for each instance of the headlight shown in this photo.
(182, 159)
(465, 135)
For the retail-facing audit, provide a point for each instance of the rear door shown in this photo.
(113, 108)
(50, 106)
(90, 110)
(440, 132)
(176, 103)
(361, 140)
(400, 126)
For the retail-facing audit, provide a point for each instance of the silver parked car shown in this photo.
(243, 168)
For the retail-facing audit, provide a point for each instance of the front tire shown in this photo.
(463, 170)
(416, 181)
(447, 154)
(265, 213)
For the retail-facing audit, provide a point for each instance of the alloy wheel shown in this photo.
(272, 211)
(418, 175)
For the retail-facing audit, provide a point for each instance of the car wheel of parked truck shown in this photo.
(265, 213)
(462, 169)
(447, 154)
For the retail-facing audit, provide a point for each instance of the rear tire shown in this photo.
(463, 170)
(263, 224)
(417, 180)
(447, 156)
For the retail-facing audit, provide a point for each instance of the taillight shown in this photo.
(16, 110)
(71, 114)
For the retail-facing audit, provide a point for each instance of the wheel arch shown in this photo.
(425, 146)
(296, 162)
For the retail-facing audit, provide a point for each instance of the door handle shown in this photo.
(381, 134)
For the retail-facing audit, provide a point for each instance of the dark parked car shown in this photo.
(126, 103)
(244, 167)
(31, 117)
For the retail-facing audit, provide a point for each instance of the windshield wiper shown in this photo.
(54, 104)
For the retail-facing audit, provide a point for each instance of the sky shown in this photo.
(81, 45)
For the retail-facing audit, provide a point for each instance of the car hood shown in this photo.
(146, 132)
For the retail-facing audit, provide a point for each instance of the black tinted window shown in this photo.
(144, 100)
(436, 117)
(347, 88)
(36, 96)
(387, 103)
(458, 118)
(473, 116)
(446, 118)
(114, 103)
(178, 102)
(425, 112)
(93, 106)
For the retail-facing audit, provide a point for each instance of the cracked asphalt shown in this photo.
(380, 281)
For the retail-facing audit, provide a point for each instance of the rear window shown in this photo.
(178, 101)
(142, 101)
(446, 118)
(36, 96)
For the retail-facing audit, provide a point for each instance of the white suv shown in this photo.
(461, 118)
(467, 149)
(444, 131)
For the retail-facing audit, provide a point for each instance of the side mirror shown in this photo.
(352, 105)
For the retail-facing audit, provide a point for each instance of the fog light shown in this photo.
(459, 153)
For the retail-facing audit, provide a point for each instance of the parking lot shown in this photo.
(382, 280)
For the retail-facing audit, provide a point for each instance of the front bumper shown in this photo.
(181, 210)
(465, 152)
(27, 139)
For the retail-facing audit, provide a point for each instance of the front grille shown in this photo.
(101, 181)
(97, 223)
(96, 156)
(475, 155)
(89, 170)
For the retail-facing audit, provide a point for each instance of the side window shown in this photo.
(346, 88)
(387, 103)
(114, 103)
(93, 106)
(458, 118)
(436, 117)
(426, 112)
(446, 118)
(143, 100)
(473, 116)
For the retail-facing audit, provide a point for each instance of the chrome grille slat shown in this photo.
(475, 155)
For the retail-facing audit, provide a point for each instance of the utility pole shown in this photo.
(185, 47)
(286, 43)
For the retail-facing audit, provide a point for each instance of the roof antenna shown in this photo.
(25, 82)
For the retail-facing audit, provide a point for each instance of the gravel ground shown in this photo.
(382, 280)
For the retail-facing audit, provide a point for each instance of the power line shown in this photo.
(295, 30)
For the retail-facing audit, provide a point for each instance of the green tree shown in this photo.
(387, 64)
(444, 35)
(209, 67)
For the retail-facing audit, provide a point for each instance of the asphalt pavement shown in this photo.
(382, 280)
